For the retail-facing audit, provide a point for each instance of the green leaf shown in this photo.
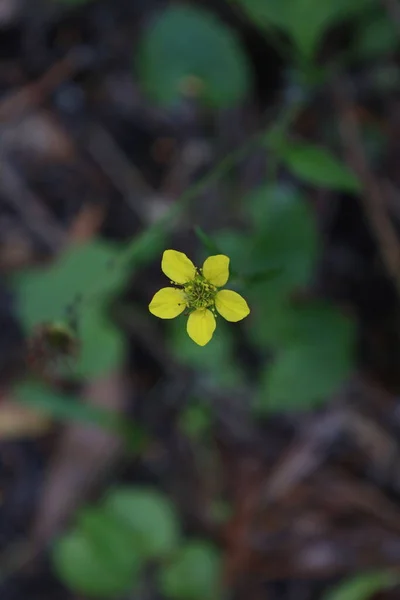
(45, 293)
(103, 347)
(362, 587)
(305, 21)
(315, 358)
(195, 421)
(111, 538)
(67, 408)
(85, 568)
(149, 516)
(317, 166)
(188, 50)
(62, 406)
(375, 37)
(207, 241)
(194, 574)
(215, 360)
(285, 244)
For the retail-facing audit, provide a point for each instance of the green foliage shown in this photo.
(193, 574)
(150, 518)
(67, 408)
(106, 552)
(195, 421)
(312, 343)
(90, 271)
(97, 558)
(103, 347)
(44, 293)
(285, 243)
(316, 356)
(317, 166)
(215, 360)
(188, 50)
(362, 587)
(304, 21)
(376, 36)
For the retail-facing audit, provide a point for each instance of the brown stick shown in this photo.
(372, 196)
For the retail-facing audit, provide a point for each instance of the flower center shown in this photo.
(200, 293)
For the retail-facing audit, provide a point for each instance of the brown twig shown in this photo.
(372, 196)
(18, 102)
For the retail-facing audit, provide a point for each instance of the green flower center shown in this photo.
(200, 293)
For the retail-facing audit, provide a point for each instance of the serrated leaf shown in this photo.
(149, 516)
(315, 357)
(362, 587)
(187, 50)
(45, 293)
(83, 569)
(194, 574)
(317, 166)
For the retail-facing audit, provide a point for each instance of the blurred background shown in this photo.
(135, 464)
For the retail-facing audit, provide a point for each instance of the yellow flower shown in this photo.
(198, 292)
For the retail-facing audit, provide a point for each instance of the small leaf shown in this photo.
(62, 406)
(103, 347)
(187, 50)
(67, 408)
(194, 574)
(317, 166)
(150, 517)
(375, 37)
(305, 21)
(315, 358)
(81, 565)
(215, 360)
(285, 244)
(195, 421)
(362, 587)
(45, 293)
(110, 536)
(207, 241)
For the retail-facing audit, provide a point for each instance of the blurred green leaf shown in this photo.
(45, 293)
(317, 166)
(315, 358)
(215, 360)
(376, 36)
(188, 50)
(207, 241)
(194, 573)
(362, 587)
(305, 21)
(111, 538)
(285, 244)
(67, 408)
(195, 421)
(149, 516)
(102, 345)
(62, 406)
(85, 568)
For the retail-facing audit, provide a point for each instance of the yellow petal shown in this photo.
(201, 326)
(216, 269)
(168, 303)
(231, 305)
(177, 266)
